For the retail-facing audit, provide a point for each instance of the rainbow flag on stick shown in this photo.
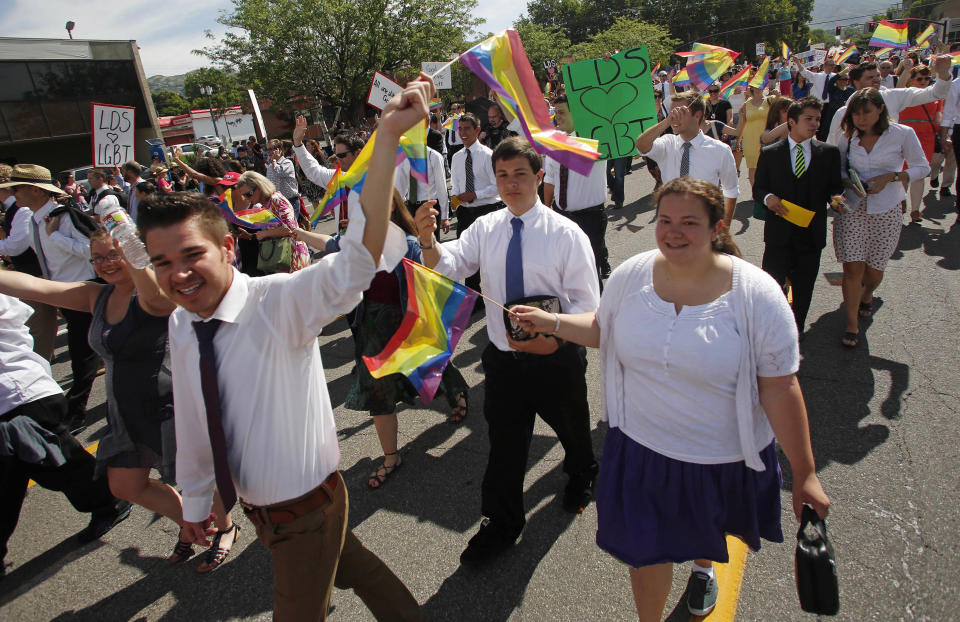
(706, 63)
(741, 79)
(656, 68)
(682, 78)
(785, 51)
(438, 310)
(436, 104)
(413, 146)
(890, 35)
(452, 123)
(250, 218)
(502, 64)
(844, 55)
(925, 38)
(336, 194)
(762, 76)
(883, 53)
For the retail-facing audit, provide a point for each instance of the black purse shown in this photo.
(937, 145)
(815, 566)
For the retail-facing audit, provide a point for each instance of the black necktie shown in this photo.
(826, 85)
(211, 401)
(564, 180)
(468, 173)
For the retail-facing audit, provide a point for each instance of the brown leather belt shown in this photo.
(288, 512)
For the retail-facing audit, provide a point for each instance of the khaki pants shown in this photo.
(315, 552)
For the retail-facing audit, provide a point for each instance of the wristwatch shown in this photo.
(896, 176)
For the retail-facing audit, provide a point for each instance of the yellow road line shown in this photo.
(91, 449)
(729, 579)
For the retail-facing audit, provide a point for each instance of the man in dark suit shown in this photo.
(806, 172)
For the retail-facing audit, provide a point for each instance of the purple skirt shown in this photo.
(653, 509)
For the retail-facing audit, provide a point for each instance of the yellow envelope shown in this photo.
(799, 216)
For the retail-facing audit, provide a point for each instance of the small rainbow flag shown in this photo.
(438, 310)
(336, 194)
(809, 43)
(925, 38)
(413, 145)
(883, 53)
(501, 62)
(251, 218)
(785, 51)
(741, 79)
(654, 71)
(844, 55)
(890, 35)
(682, 78)
(762, 76)
(436, 104)
(452, 123)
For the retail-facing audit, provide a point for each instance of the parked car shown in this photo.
(209, 140)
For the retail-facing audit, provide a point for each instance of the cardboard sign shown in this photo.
(550, 66)
(256, 113)
(382, 89)
(612, 101)
(761, 49)
(112, 130)
(818, 46)
(812, 58)
(442, 80)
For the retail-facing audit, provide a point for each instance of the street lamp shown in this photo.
(69, 27)
(208, 91)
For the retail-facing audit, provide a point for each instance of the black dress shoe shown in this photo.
(579, 490)
(945, 192)
(103, 521)
(934, 182)
(486, 544)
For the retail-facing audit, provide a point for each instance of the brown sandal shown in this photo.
(379, 477)
(218, 554)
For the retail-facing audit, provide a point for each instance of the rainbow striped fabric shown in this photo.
(438, 310)
(336, 194)
(501, 62)
(251, 218)
(682, 78)
(762, 75)
(925, 38)
(844, 55)
(656, 68)
(890, 35)
(436, 104)
(706, 63)
(785, 50)
(741, 79)
(413, 145)
(452, 123)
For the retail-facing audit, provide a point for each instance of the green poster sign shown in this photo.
(612, 100)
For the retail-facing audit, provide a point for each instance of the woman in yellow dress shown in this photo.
(752, 123)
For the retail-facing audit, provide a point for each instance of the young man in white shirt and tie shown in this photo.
(580, 198)
(273, 444)
(523, 251)
(689, 153)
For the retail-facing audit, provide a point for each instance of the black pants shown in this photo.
(955, 137)
(452, 149)
(466, 217)
(413, 206)
(801, 264)
(593, 222)
(517, 388)
(74, 478)
(84, 362)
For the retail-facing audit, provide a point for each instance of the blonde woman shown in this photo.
(251, 189)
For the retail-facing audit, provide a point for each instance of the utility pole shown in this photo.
(208, 91)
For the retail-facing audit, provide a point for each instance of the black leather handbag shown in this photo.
(815, 566)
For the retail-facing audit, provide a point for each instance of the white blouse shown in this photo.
(897, 144)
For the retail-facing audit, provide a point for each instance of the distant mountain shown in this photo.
(166, 83)
(826, 13)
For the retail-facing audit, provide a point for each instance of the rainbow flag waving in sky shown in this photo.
(502, 64)
(251, 218)
(762, 76)
(438, 310)
(844, 55)
(741, 79)
(706, 63)
(925, 38)
(890, 35)
(336, 194)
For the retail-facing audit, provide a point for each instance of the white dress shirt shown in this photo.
(951, 105)
(710, 160)
(24, 374)
(19, 239)
(583, 191)
(895, 100)
(66, 250)
(277, 417)
(817, 81)
(313, 170)
(133, 203)
(283, 175)
(484, 180)
(897, 144)
(890, 82)
(437, 189)
(557, 261)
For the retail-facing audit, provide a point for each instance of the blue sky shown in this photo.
(167, 35)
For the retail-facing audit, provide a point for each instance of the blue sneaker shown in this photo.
(702, 593)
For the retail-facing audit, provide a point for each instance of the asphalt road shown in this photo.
(885, 434)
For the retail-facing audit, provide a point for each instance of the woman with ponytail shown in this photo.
(699, 356)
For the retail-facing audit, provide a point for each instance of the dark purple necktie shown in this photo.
(211, 400)
(564, 180)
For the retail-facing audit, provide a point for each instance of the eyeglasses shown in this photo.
(712, 91)
(342, 155)
(248, 194)
(923, 78)
(99, 259)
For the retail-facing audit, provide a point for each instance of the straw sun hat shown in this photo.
(32, 175)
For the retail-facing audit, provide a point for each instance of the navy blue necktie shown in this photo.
(211, 401)
(515, 263)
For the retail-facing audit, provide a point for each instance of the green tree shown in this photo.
(169, 103)
(225, 85)
(541, 43)
(329, 49)
(628, 33)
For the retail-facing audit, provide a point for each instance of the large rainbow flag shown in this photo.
(251, 218)
(890, 35)
(706, 63)
(438, 310)
(502, 64)
(762, 76)
(335, 194)
(357, 175)
(741, 79)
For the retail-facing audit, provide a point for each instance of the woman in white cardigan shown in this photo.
(865, 237)
(699, 358)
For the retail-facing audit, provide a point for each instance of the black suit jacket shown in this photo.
(811, 190)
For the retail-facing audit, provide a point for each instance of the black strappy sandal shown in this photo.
(217, 554)
(182, 551)
(383, 472)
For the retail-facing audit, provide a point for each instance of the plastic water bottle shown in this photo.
(121, 228)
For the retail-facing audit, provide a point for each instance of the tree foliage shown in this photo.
(628, 33)
(169, 103)
(541, 43)
(226, 88)
(329, 49)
